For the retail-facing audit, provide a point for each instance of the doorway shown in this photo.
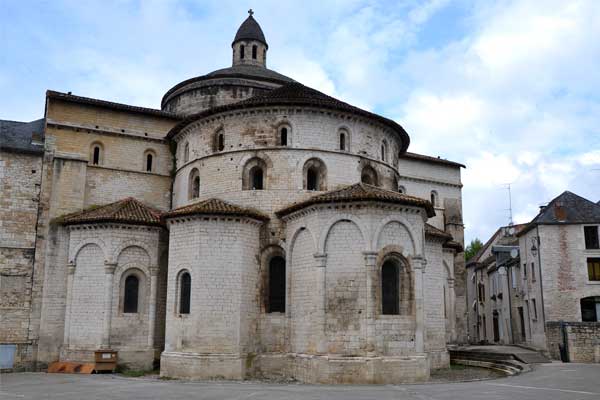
(522, 320)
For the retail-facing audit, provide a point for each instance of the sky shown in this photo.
(509, 88)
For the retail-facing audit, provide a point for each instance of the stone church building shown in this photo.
(251, 227)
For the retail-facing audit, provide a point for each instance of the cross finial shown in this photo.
(250, 12)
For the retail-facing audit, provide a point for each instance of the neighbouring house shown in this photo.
(548, 277)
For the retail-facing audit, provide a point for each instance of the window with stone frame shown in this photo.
(390, 288)
(590, 309)
(257, 178)
(185, 292)
(149, 161)
(254, 174)
(97, 153)
(593, 265)
(591, 237)
(254, 52)
(532, 272)
(242, 51)
(194, 184)
(220, 141)
(369, 176)
(283, 136)
(315, 175)
(186, 152)
(131, 294)
(276, 300)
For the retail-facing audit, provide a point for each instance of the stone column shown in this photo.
(70, 274)
(419, 269)
(321, 299)
(451, 310)
(152, 305)
(109, 273)
(371, 306)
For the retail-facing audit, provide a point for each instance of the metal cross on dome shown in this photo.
(250, 12)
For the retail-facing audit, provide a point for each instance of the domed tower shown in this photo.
(250, 46)
(247, 77)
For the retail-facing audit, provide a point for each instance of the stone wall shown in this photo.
(20, 176)
(583, 340)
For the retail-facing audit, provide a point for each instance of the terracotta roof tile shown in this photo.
(128, 211)
(215, 207)
(360, 192)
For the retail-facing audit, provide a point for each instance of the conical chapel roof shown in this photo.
(250, 30)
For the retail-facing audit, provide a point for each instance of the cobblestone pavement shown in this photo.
(545, 382)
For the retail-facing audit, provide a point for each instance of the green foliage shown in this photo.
(473, 248)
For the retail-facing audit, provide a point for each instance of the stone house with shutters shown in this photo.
(250, 227)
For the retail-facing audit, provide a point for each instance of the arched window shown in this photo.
(96, 156)
(254, 52)
(343, 141)
(369, 176)
(256, 177)
(402, 189)
(185, 291)
(148, 162)
(194, 184)
(242, 49)
(276, 285)
(130, 298)
(590, 309)
(283, 136)
(220, 141)
(186, 152)
(390, 288)
(434, 198)
(384, 151)
(315, 175)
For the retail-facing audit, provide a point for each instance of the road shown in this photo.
(545, 382)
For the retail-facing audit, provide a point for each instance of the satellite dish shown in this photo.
(514, 253)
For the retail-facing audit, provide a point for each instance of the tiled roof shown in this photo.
(250, 30)
(17, 136)
(567, 208)
(127, 211)
(50, 94)
(215, 207)
(433, 231)
(497, 237)
(296, 94)
(360, 192)
(429, 159)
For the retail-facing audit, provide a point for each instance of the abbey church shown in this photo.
(252, 227)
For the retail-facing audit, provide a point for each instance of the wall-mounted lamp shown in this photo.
(534, 248)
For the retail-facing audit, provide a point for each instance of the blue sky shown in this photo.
(510, 88)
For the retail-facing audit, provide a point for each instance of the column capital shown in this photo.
(109, 267)
(321, 259)
(451, 283)
(419, 262)
(370, 258)
(153, 270)
(71, 268)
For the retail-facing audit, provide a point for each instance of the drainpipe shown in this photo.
(537, 230)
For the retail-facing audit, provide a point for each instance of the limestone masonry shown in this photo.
(253, 227)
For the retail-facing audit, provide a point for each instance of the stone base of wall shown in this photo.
(203, 366)
(583, 340)
(140, 359)
(331, 369)
(327, 369)
(438, 359)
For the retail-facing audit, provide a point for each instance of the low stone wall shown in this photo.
(583, 340)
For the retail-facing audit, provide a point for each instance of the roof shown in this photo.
(50, 94)
(243, 71)
(250, 30)
(567, 208)
(360, 192)
(127, 211)
(296, 94)
(431, 230)
(17, 136)
(429, 159)
(498, 238)
(215, 207)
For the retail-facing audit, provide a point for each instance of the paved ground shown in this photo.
(545, 382)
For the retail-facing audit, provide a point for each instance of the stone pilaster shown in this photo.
(419, 264)
(109, 273)
(371, 275)
(152, 305)
(321, 295)
(70, 274)
(451, 311)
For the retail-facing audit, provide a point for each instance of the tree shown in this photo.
(473, 248)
